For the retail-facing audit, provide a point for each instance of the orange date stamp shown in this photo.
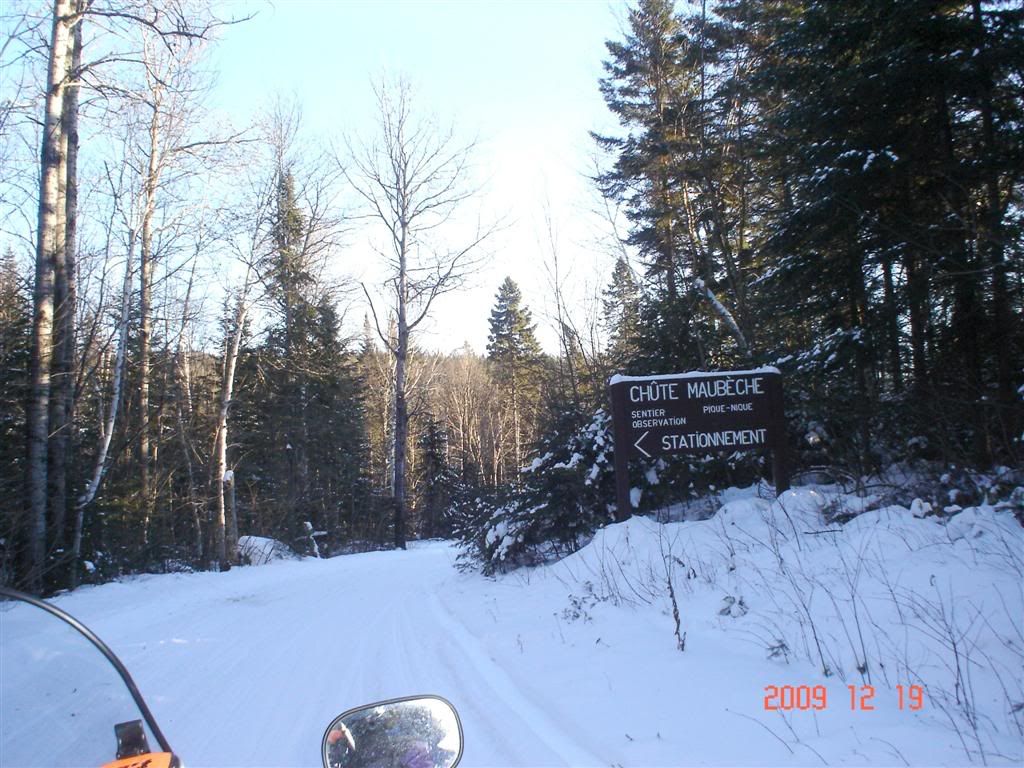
(803, 698)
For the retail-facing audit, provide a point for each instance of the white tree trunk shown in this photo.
(107, 428)
(50, 241)
(226, 533)
(723, 312)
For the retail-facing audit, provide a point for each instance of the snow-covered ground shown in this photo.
(890, 640)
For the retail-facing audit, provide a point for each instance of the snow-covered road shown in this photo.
(248, 667)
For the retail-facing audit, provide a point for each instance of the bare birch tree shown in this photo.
(110, 418)
(52, 375)
(465, 395)
(65, 298)
(50, 248)
(167, 103)
(412, 177)
(225, 528)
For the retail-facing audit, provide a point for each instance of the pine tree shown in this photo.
(514, 353)
(683, 169)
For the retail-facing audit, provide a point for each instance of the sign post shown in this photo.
(696, 413)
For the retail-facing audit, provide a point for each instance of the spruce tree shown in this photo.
(289, 350)
(643, 87)
(683, 170)
(337, 448)
(437, 480)
(302, 425)
(15, 347)
(514, 353)
(621, 316)
(879, 253)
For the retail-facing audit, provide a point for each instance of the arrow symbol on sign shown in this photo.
(637, 444)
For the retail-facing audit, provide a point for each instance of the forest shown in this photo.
(833, 189)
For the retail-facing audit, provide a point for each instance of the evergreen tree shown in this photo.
(621, 316)
(302, 424)
(288, 353)
(874, 136)
(15, 346)
(565, 497)
(337, 449)
(514, 353)
(683, 169)
(669, 337)
(644, 86)
(437, 480)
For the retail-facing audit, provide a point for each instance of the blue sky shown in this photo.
(519, 77)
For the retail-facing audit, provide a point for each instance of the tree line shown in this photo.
(833, 189)
(178, 366)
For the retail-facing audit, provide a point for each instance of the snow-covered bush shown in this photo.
(258, 550)
(568, 492)
(565, 494)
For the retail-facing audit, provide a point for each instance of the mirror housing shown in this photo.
(413, 732)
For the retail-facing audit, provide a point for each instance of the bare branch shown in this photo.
(411, 178)
(376, 322)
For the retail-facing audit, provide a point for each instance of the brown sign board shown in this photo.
(697, 413)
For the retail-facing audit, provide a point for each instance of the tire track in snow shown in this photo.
(247, 667)
(489, 677)
(253, 646)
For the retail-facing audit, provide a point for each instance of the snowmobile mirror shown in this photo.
(415, 732)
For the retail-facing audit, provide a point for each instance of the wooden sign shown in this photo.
(696, 413)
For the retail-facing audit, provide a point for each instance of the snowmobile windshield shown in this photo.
(60, 698)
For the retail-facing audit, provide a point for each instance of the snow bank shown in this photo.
(774, 593)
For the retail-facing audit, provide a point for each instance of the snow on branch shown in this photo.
(724, 313)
